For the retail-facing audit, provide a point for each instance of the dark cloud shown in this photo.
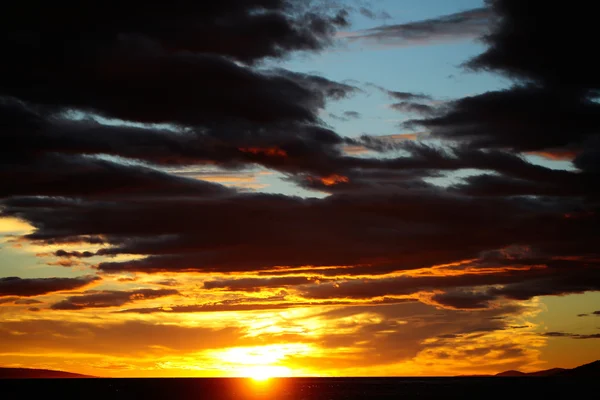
(203, 89)
(523, 44)
(463, 299)
(462, 25)
(13, 286)
(413, 108)
(189, 233)
(352, 114)
(573, 335)
(403, 96)
(271, 27)
(56, 175)
(110, 298)
(140, 68)
(79, 179)
(78, 254)
(547, 278)
(255, 284)
(552, 108)
(525, 118)
(293, 148)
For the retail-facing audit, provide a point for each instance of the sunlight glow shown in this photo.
(262, 373)
(261, 355)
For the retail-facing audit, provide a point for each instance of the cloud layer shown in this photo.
(94, 123)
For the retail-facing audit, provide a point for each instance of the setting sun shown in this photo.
(261, 373)
(298, 198)
(260, 362)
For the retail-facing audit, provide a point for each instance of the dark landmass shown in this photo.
(583, 371)
(30, 373)
(590, 370)
(296, 388)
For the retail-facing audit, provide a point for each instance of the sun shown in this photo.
(262, 373)
(260, 363)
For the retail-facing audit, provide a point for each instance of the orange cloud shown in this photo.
(332, 179)
(555, 155)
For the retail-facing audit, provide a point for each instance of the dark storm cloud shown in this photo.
(523, 44)
(552, 279)
(559, 283)
(60, 175)
(383, 214)
(461, 25)
(588, 159)
(110, 298)
(552, 107)
(525, 118)
(36, 139)
(200, 88)
(13, 286)
(270, 28)
(196, 233)
(193, 233)
(162, 64)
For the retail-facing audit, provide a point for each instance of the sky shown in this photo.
(299, 188)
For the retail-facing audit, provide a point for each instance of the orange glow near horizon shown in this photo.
(262, 373)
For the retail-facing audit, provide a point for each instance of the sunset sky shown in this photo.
(299, 187)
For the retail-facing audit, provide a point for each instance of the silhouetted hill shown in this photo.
(29, 373)
(584, 371)
(547, 372)
(511, 373)
(588, 370)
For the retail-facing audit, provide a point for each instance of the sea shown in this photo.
(299, 388)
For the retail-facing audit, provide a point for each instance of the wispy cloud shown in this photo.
(463, 25)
